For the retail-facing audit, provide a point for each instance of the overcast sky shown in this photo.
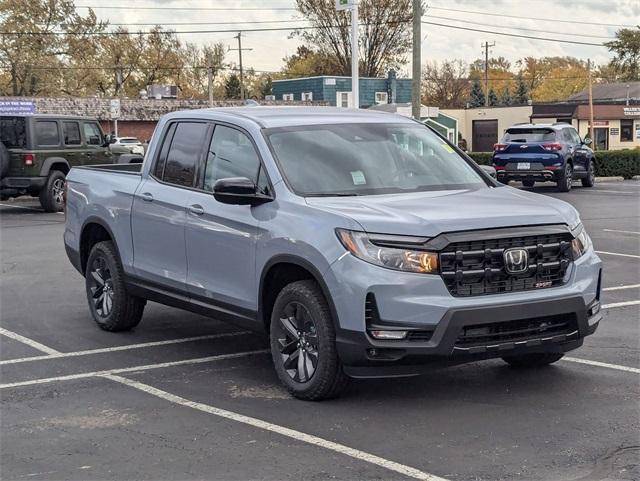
(439, 43)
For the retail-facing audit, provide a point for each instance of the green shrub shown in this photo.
(609, 163)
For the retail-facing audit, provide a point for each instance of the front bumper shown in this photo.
(21, 185)
(423, 303)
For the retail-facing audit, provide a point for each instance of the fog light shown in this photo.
(388, 334)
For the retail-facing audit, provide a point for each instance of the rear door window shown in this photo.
(47, 133)
(13, 132)
(71, 133)
(184, 153)
(529, 135)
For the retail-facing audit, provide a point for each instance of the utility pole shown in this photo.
(593, 139)
(240, 49)
(486, 47)
(355, 67)
(210, 80)
(416, 67)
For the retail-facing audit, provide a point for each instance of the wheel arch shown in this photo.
(282, 270)
(54, 163)
(94, 230)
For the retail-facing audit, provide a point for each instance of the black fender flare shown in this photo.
(49, 162)
(305, 264)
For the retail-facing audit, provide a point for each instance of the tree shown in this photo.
(445, 85)
(385, 36)
(232, 87)
(522, 92)
(561, 83)
(266, 87)
(493, 98)
(505, 97)
(626, 48)
(476, 96)
(308, 62)
(500, 74)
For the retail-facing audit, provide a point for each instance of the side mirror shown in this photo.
(587, 141)
(238, 191)
(489, 170)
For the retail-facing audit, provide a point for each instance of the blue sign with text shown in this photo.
(17, 107)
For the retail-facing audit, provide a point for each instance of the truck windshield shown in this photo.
(13, 133)
(529, 135)
(368, 159)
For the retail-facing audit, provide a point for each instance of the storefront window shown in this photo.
(626, 130)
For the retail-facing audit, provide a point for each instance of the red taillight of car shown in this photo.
(27, 159)
(552, 146)
(498, 167)
(499, 147)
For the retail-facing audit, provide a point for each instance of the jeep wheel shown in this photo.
(51, 195)
(528, 183)
(526, 361)
(112, 307)
(590, 179)
(303, 343)
(565, 180)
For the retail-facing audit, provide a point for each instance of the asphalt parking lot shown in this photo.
(186, 397)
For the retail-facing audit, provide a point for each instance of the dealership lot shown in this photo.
(186, 397)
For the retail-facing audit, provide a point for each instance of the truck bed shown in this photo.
(131, 169)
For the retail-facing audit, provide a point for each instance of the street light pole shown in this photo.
(355, 74)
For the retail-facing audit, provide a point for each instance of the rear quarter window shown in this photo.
(13, 132)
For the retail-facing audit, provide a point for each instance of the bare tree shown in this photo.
(446, 84)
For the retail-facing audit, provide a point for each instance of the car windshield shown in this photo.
(366, 159)
(529, 135)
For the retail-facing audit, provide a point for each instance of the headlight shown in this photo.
(392, 252)
(580, 244)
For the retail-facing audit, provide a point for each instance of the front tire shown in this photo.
(529, 361)
(303, 343)
(590, 179)
(565, 181)
(51, 195)
(111, 306)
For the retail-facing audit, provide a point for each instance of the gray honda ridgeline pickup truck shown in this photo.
(363, 243)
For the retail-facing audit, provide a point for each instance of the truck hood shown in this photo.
(431, 213)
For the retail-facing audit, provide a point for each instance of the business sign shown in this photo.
(614, 131)
(345, 4)
(114, 108)
(600, 123)
(17, 107)
(632, 111)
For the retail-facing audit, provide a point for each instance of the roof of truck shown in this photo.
(294, 116)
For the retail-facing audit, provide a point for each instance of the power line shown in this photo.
(559, 40)
(475, 12)
(129, 7)
(153, 24)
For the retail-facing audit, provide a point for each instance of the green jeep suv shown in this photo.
(39, 150)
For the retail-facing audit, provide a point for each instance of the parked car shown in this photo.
(364, 244)
(544, 152)
(126, 145)
(41, 150)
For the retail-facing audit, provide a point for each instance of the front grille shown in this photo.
(516, 331)
(472, 268)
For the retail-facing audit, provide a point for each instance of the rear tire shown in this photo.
(303, 343)
(111, 306)
(590, 179)
(51, 195)
(528, 183)
(565, 180)
(529, 361)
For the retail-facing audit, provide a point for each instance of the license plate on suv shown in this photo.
(524, 165)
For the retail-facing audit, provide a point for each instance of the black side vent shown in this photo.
(371, 314)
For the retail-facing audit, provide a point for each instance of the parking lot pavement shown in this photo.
(187, 397)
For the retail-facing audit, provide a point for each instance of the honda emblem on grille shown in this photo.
(516, 261)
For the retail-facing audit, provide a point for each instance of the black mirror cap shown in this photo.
(239, 191)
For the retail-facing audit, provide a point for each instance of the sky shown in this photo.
(439, 43)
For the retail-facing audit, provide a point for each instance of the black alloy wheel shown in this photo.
(298, 341)
(101, 287)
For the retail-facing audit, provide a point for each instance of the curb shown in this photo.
(610, 179)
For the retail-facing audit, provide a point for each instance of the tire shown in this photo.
(51, 194)
(528, 183)
(302, 328)
(111, 306)
(590, 179)
(565, 179)
(529, 361)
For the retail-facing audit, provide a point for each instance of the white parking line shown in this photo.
(122, 348)
(622, 231)
(614, 191)
(618, 254)
(28, 342)
(620, 304)
(146, 367)
(617, 367)
(284, 431)
(23, 207)
(619, 288)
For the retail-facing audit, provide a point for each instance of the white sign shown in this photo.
(329, 81)
(114, 108)
(345, 4)
(631, 110)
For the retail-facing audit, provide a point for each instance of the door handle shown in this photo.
(147, 197)
(196, 209)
